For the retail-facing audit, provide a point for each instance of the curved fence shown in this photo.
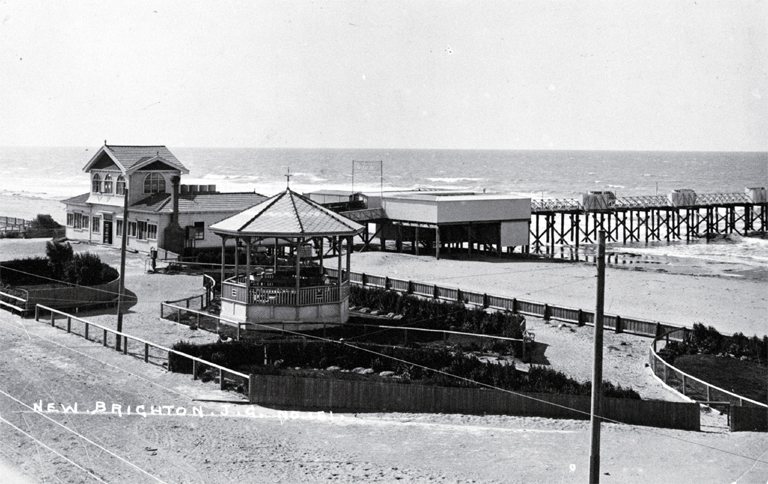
(688, 385)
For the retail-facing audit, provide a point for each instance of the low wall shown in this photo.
(749, 419)
(62, 297)
(363, 396)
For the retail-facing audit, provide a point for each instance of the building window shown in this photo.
(142, 230)
(107, 188)
(119, 228)
(78, 222)
(96, 225)
(86, 221)
(154, 183)
(132, 229)
(96, 183)
(152, 231)
(70, 219)
(120, 185)
(199, 230)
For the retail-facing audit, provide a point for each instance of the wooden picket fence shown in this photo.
(619, 324)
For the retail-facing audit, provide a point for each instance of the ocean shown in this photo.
(50, 174)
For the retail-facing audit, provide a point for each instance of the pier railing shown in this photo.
(641, 327)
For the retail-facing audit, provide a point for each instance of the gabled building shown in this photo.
(162, 212)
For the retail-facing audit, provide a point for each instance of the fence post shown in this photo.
(485, 301)
(221, 379)
(580, 318)
(146, 352)
(105, 338)
(125, 345)
(69, 324)
(459, 297)
(194, 369)
(53, 320)
(619, 328)
(435, 292)
(86, 330)
(363, 278)
(37, 313)
(410, 287)
(387, 284)
(514, 305)
(683, 377)
(546, 312)
(251, 388)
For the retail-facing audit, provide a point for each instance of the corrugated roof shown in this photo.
(285, 214)
(199, 202)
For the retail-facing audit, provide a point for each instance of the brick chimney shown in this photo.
(174, 235)
(175, 199)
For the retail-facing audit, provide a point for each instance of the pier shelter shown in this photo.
(284, 279)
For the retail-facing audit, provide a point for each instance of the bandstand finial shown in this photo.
(288, 178)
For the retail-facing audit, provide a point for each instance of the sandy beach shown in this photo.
(46, 364)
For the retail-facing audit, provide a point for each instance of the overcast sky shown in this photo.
(626, 75)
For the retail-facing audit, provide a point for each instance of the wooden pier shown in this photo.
(567, 222)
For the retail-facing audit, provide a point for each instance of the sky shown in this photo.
(589, 75)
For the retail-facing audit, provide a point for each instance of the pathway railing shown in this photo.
(196, 317)
(619, 324)
(15, 302)
(140, 348)
(688, 385)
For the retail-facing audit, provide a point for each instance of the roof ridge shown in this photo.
(339, 218)
(266, 207)
(135, 146)
(295, 210)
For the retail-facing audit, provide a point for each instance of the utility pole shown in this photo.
(597, 370)
(123, 247)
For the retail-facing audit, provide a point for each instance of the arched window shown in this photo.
(107, 184)
(154, 183)
(96, 183)
(120, 186)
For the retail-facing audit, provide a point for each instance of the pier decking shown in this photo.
(646, 218)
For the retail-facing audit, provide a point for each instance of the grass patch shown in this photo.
(745, 378)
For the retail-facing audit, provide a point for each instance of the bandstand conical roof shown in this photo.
(286, 214)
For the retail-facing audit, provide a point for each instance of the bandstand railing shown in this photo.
(285, 296)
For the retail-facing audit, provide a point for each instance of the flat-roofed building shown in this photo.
(436, 220)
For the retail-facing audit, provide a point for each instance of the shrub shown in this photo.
(250, 357)
(435, 314)
(86, 269)
(44, 221)
(59, 255)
